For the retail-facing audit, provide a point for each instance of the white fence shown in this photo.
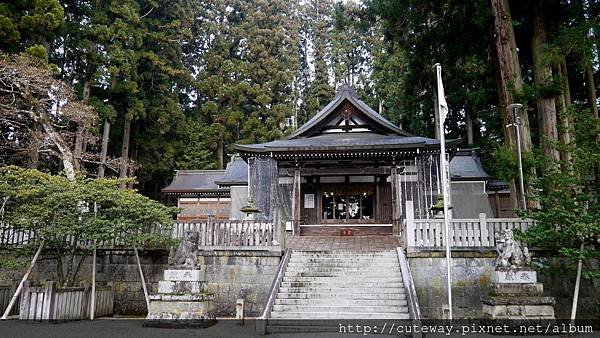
(229, 233)
(232, 233)
(479, 233)
(72, 303)
(10, 236)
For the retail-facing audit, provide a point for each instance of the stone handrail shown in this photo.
(261, 321)
(409, 286)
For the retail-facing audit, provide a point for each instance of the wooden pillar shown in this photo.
(296, 202)
(395, 206)
(497, 203)
(409, 235)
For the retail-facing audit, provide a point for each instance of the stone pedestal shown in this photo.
(516, 294)
(182, 301)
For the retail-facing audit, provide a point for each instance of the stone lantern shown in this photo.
(249, 210)
(438, 207)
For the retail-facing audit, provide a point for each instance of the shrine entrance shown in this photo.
(352, 203)
(345, 172)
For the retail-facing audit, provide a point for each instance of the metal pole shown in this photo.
(445, 194)
(517, 124)
(20, 287)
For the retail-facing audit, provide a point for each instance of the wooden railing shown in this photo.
(71, 303)
(479, 233)
(11, 236)
(212, 234)
(229, 233)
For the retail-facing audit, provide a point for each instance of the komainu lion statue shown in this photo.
(185, 256)
(510, 253)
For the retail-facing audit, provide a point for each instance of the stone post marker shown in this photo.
(515, 292)
(182, 300)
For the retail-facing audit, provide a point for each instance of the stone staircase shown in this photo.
(319, 286)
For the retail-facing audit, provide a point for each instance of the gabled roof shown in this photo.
(190, 181)
(341, 142)
(346, 125)
(236, 173)
(466, 165)
(346, 92)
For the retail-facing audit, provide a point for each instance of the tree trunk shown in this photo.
(509, 82)
(78, 147)
(66, 155)
(508, 73)
(34, 150)
(220, 152)
(546, 104)
(469, 128)
(104, 149)
(125, 150)
(591, 87)
(81, 134)
(562, 105)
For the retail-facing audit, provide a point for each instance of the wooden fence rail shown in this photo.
(479, 233)
(6, 293)
(231, 233)
(71, 303)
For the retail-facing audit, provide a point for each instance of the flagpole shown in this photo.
(442, 119)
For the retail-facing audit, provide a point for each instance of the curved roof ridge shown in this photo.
(347, 92)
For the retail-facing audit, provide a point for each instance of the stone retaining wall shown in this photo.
(472, 274)
(231, 275)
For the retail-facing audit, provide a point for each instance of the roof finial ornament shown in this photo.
(346, 88)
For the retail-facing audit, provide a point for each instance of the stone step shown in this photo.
(341, 308)
(344, 253)
(342, 302)
(341, 280)
(343, 264)
(356, 284)
(349, 269)
(349, 254)
(354, 262)
(349, 272)
(339, 290)
(339, 315)
(345, 257)
(356, 296)
(381, 275)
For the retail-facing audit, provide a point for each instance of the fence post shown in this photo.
(49, 300)
(85, 302)
(410, 227)
(485, 239)
(25, 301)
